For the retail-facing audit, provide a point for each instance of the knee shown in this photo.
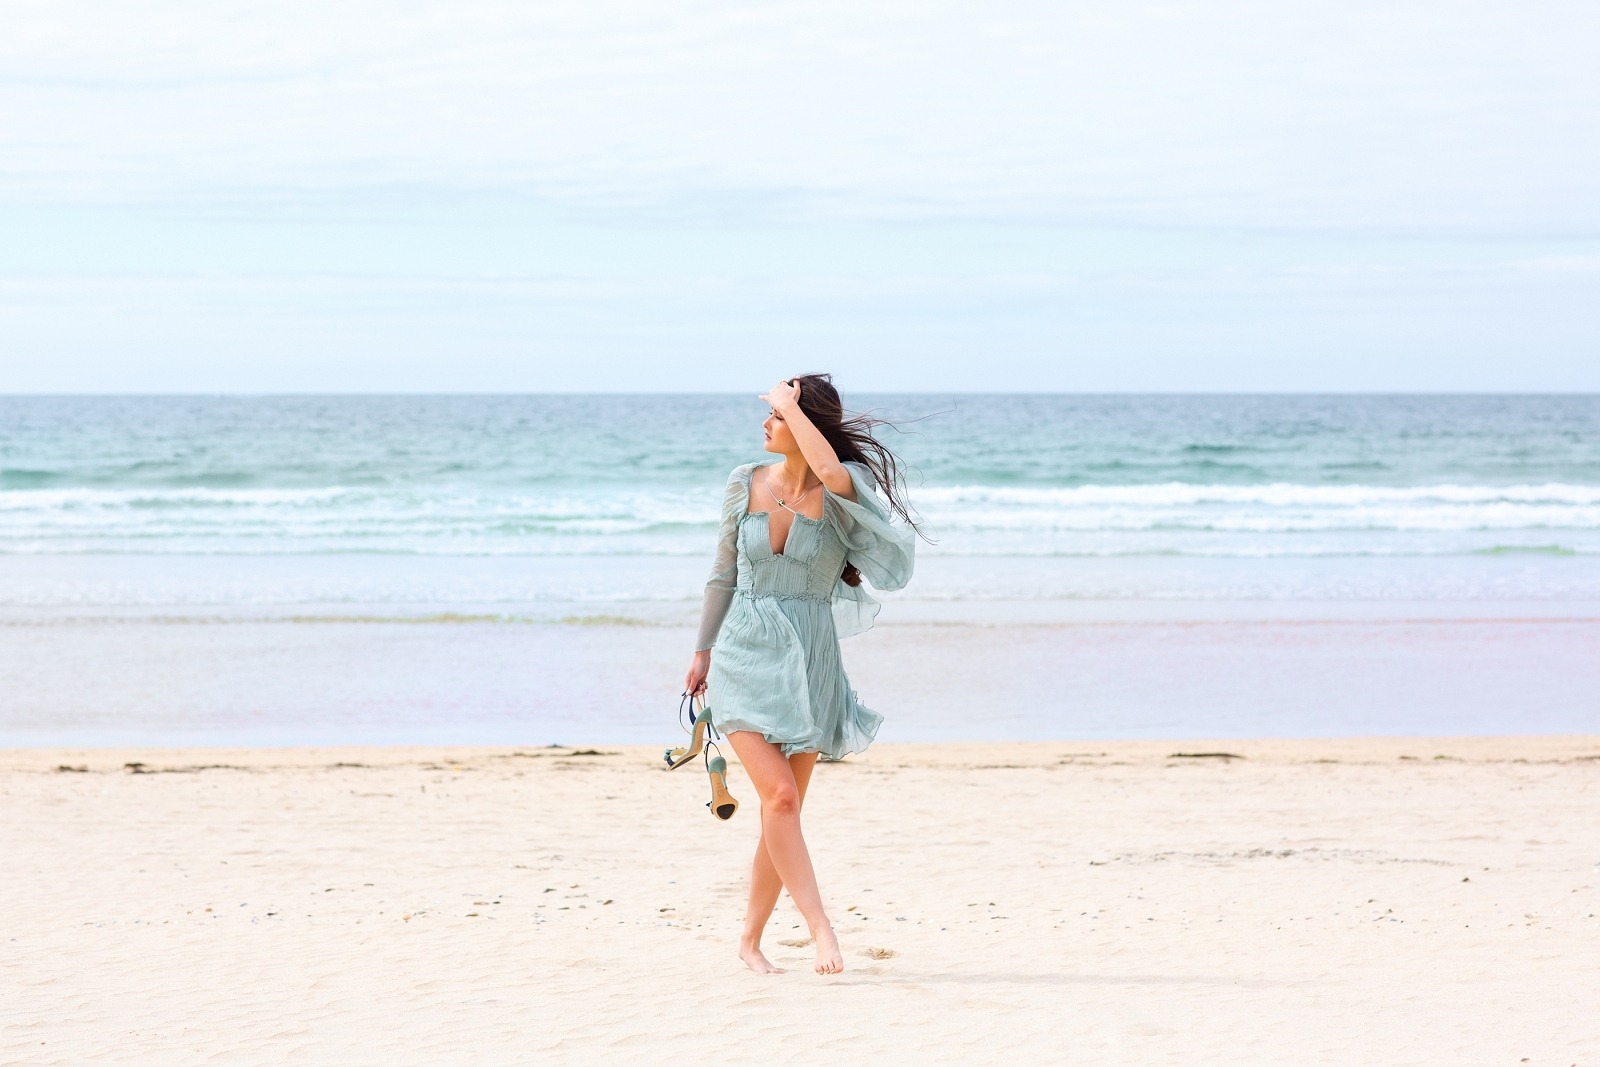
(783, 800)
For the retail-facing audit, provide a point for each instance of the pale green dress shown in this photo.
(776, 618)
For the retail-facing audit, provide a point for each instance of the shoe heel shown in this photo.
(722, 802)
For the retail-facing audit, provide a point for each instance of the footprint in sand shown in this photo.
(879, 953)
(795, 944)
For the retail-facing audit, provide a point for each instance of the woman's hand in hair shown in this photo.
(819, 454)
(783, 397)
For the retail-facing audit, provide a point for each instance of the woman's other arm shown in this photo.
(720, 585)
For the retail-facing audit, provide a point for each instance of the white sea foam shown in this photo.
(1166, 519)
(191, 496)
(1278, 494)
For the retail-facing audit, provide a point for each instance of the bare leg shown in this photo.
(765, 885)
(785, 847)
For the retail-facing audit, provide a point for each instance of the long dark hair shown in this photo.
(851, 436)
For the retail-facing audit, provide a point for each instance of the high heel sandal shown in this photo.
(722, 802)
(701, 726)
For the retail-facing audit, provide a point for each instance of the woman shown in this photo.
(797, 536)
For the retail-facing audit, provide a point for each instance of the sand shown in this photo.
(1394, 901)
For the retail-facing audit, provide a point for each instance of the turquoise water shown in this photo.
(1101, 476)
(229, 570)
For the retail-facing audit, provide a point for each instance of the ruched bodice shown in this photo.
(775, 617)
(809, 565)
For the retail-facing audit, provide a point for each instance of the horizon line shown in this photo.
(266, 394)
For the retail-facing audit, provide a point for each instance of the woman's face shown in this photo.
(779, 439)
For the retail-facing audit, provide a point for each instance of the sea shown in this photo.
(143, 515)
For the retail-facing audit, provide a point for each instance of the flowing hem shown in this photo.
(857, 731)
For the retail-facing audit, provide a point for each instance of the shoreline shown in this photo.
(664, 583)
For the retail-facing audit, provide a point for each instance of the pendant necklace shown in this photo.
(781, 503)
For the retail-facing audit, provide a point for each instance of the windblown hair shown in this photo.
(851, 436)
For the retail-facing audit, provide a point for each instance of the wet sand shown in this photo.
(1008, 671)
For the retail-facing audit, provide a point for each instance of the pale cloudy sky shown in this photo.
(492, 196)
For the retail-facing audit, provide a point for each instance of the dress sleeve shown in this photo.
(725, 568)
(881, 550)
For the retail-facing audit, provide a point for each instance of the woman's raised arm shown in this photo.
(820, 456)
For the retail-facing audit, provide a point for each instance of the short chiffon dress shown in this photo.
(775, 619)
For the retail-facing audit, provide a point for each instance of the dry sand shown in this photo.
(1392, 901)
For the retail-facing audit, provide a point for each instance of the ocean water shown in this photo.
(515, 569)
(1136, 476)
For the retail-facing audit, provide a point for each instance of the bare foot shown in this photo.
(829, 961)
(753, 958)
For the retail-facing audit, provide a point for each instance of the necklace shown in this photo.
(781, 502)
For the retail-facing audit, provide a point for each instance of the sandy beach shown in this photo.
(1394, 901)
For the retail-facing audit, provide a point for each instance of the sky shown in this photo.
(488, 196)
